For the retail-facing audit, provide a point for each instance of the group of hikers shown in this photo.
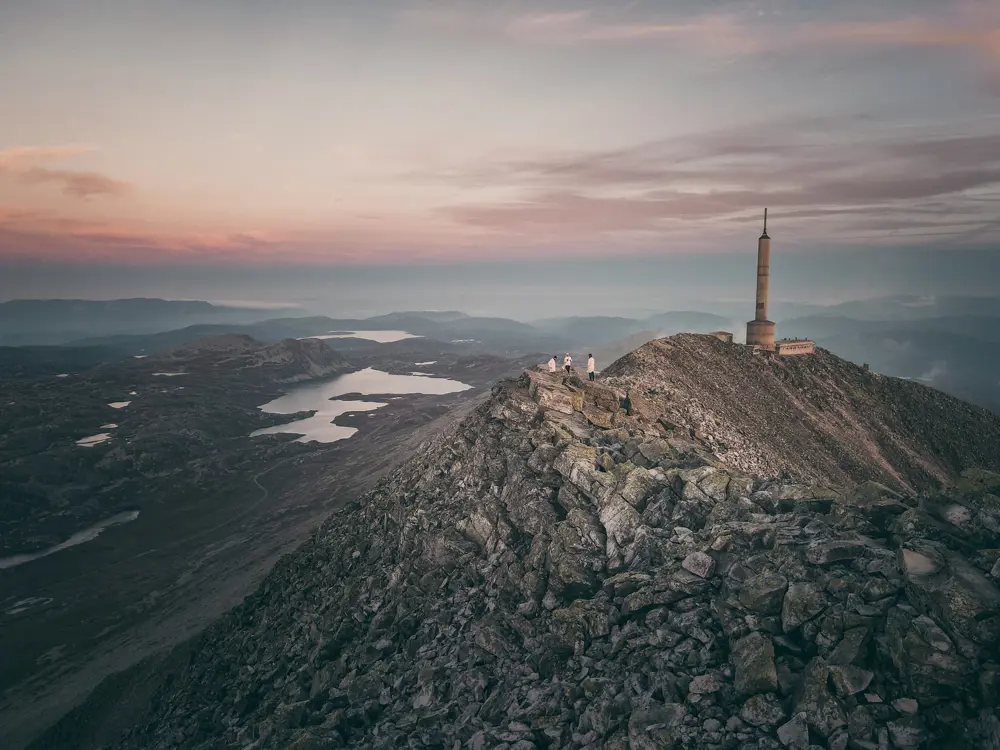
(626, 402)
(568, 365)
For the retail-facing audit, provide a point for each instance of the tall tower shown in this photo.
(760, 330)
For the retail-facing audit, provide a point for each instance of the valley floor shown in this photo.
(98, 608)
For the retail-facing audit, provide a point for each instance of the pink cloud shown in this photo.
(48, 236)
(76, 184)
(25, 164)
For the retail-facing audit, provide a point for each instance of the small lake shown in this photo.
(382, 337)
(87, 535)
(317, 396)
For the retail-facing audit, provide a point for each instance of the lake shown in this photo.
(317, 396)
(382, 337)
(79, 537)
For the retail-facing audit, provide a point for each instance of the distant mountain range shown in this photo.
(60, 321)
(952, 343)
(495, 335)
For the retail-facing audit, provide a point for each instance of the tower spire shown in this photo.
(760, 330)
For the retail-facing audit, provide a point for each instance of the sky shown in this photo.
(171, 144)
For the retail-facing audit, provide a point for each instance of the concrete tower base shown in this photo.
(760, 333)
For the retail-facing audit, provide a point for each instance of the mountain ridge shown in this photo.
(721, 389)
(559, 571)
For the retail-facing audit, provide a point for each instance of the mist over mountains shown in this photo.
(60, 321)
(950, 342)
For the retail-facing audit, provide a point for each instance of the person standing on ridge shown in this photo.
(568, 363)
(552, 363)
(590, 367)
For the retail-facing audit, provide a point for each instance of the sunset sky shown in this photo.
(332, 132)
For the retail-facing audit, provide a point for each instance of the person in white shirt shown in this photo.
(552, 363)
(590, 367)
(568, 363)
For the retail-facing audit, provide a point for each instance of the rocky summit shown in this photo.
(568, 568)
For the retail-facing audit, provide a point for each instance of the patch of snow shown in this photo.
(109, 426)
(425, 364)
(140, 356)
(119, 404)
(90, 442)
(78, 538)
(25, 604)
(170, 374)
(63, 375)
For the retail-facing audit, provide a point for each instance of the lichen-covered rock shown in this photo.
(763, 710)
(946, 584)
(848, 680)
(823, 712)
(753, 659)
(764, 593)
(802, 602)
(656, 728)
(795, 733)
(700, 564)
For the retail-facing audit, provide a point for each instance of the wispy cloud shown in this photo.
(865, 182)
(25, 165)
(721, 32)
(729, 33)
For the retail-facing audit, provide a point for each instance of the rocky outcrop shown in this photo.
(539, 577)
(819, 418)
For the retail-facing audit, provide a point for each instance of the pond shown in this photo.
(317, 397)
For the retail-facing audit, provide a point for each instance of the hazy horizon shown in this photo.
(630, 286)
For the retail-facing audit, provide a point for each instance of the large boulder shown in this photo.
(822, 711)
(639, 484)
(753, 658)
(961, 598)
(802, 602)
(576, 556)
(658, 727)
(925, 656)
(764, 593)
